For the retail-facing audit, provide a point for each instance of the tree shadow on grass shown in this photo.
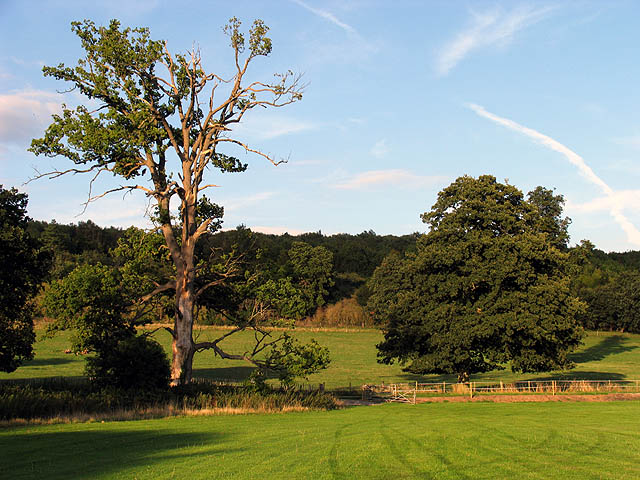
(103, 450)
(236, 374)
(575, 375)
(46, 361)
(612, 345)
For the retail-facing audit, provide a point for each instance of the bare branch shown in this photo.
(253, 150)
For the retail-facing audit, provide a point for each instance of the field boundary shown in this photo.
(416, 392)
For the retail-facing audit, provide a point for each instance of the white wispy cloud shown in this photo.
(629, 198)
(487, 29)
(350, 49)
(327, 16)
(24, 114)
(111, 211)
(380, 148)
(266, 127)
(392, 177)
(233, 204)
(632, 141)
(615, 201)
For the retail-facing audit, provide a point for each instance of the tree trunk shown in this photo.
(182, 345)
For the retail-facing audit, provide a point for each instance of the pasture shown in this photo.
(428, 441)
(606, 356)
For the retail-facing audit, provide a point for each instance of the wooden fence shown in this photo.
(408, 392)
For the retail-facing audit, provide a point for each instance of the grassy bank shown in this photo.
(431, 441)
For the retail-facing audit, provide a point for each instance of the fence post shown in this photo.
(470, 389)
(414, 393)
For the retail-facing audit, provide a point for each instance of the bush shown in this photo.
(136, 362)
(345, 313)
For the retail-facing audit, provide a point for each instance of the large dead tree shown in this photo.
(160, 122)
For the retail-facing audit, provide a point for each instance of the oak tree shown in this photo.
(486, 286)
(161, 122)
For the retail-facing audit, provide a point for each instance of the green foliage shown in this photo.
(95, 301)
(550, 209)
(312, 270)
(486, 286)
(291, 288)
(90, 300)
(134, 362)
(24, 265)
(614, 305)
(290, 359)
(283, 297)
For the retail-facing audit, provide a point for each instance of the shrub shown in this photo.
(345, 313)
(136, 362)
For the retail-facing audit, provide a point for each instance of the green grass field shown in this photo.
(608, 356)
(395, 441)
(428, 441)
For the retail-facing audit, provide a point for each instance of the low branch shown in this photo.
(161, 288)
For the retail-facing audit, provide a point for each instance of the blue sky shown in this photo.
(402, 98)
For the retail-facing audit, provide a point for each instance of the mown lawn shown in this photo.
(428, 441)
(610, 356)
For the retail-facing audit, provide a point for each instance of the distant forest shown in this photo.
(608, 282)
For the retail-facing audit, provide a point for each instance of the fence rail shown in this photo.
(407, 392)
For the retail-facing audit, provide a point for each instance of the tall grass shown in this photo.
(75, 399)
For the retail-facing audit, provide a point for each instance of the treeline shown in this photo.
(610, 285)
(325, 276)
(608, 282)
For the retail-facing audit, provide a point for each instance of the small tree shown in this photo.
(162, 122)
(486, 286)
(24, 265)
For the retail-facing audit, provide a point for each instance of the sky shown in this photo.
(401, 99)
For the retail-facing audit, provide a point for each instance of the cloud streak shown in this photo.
(239, 203)
(267, 127)
(327, 16)
(395, 177)
(486, 30)
(615, 201)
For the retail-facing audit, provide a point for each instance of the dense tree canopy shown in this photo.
(486, 286)
(610, 285)
(24, 265)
